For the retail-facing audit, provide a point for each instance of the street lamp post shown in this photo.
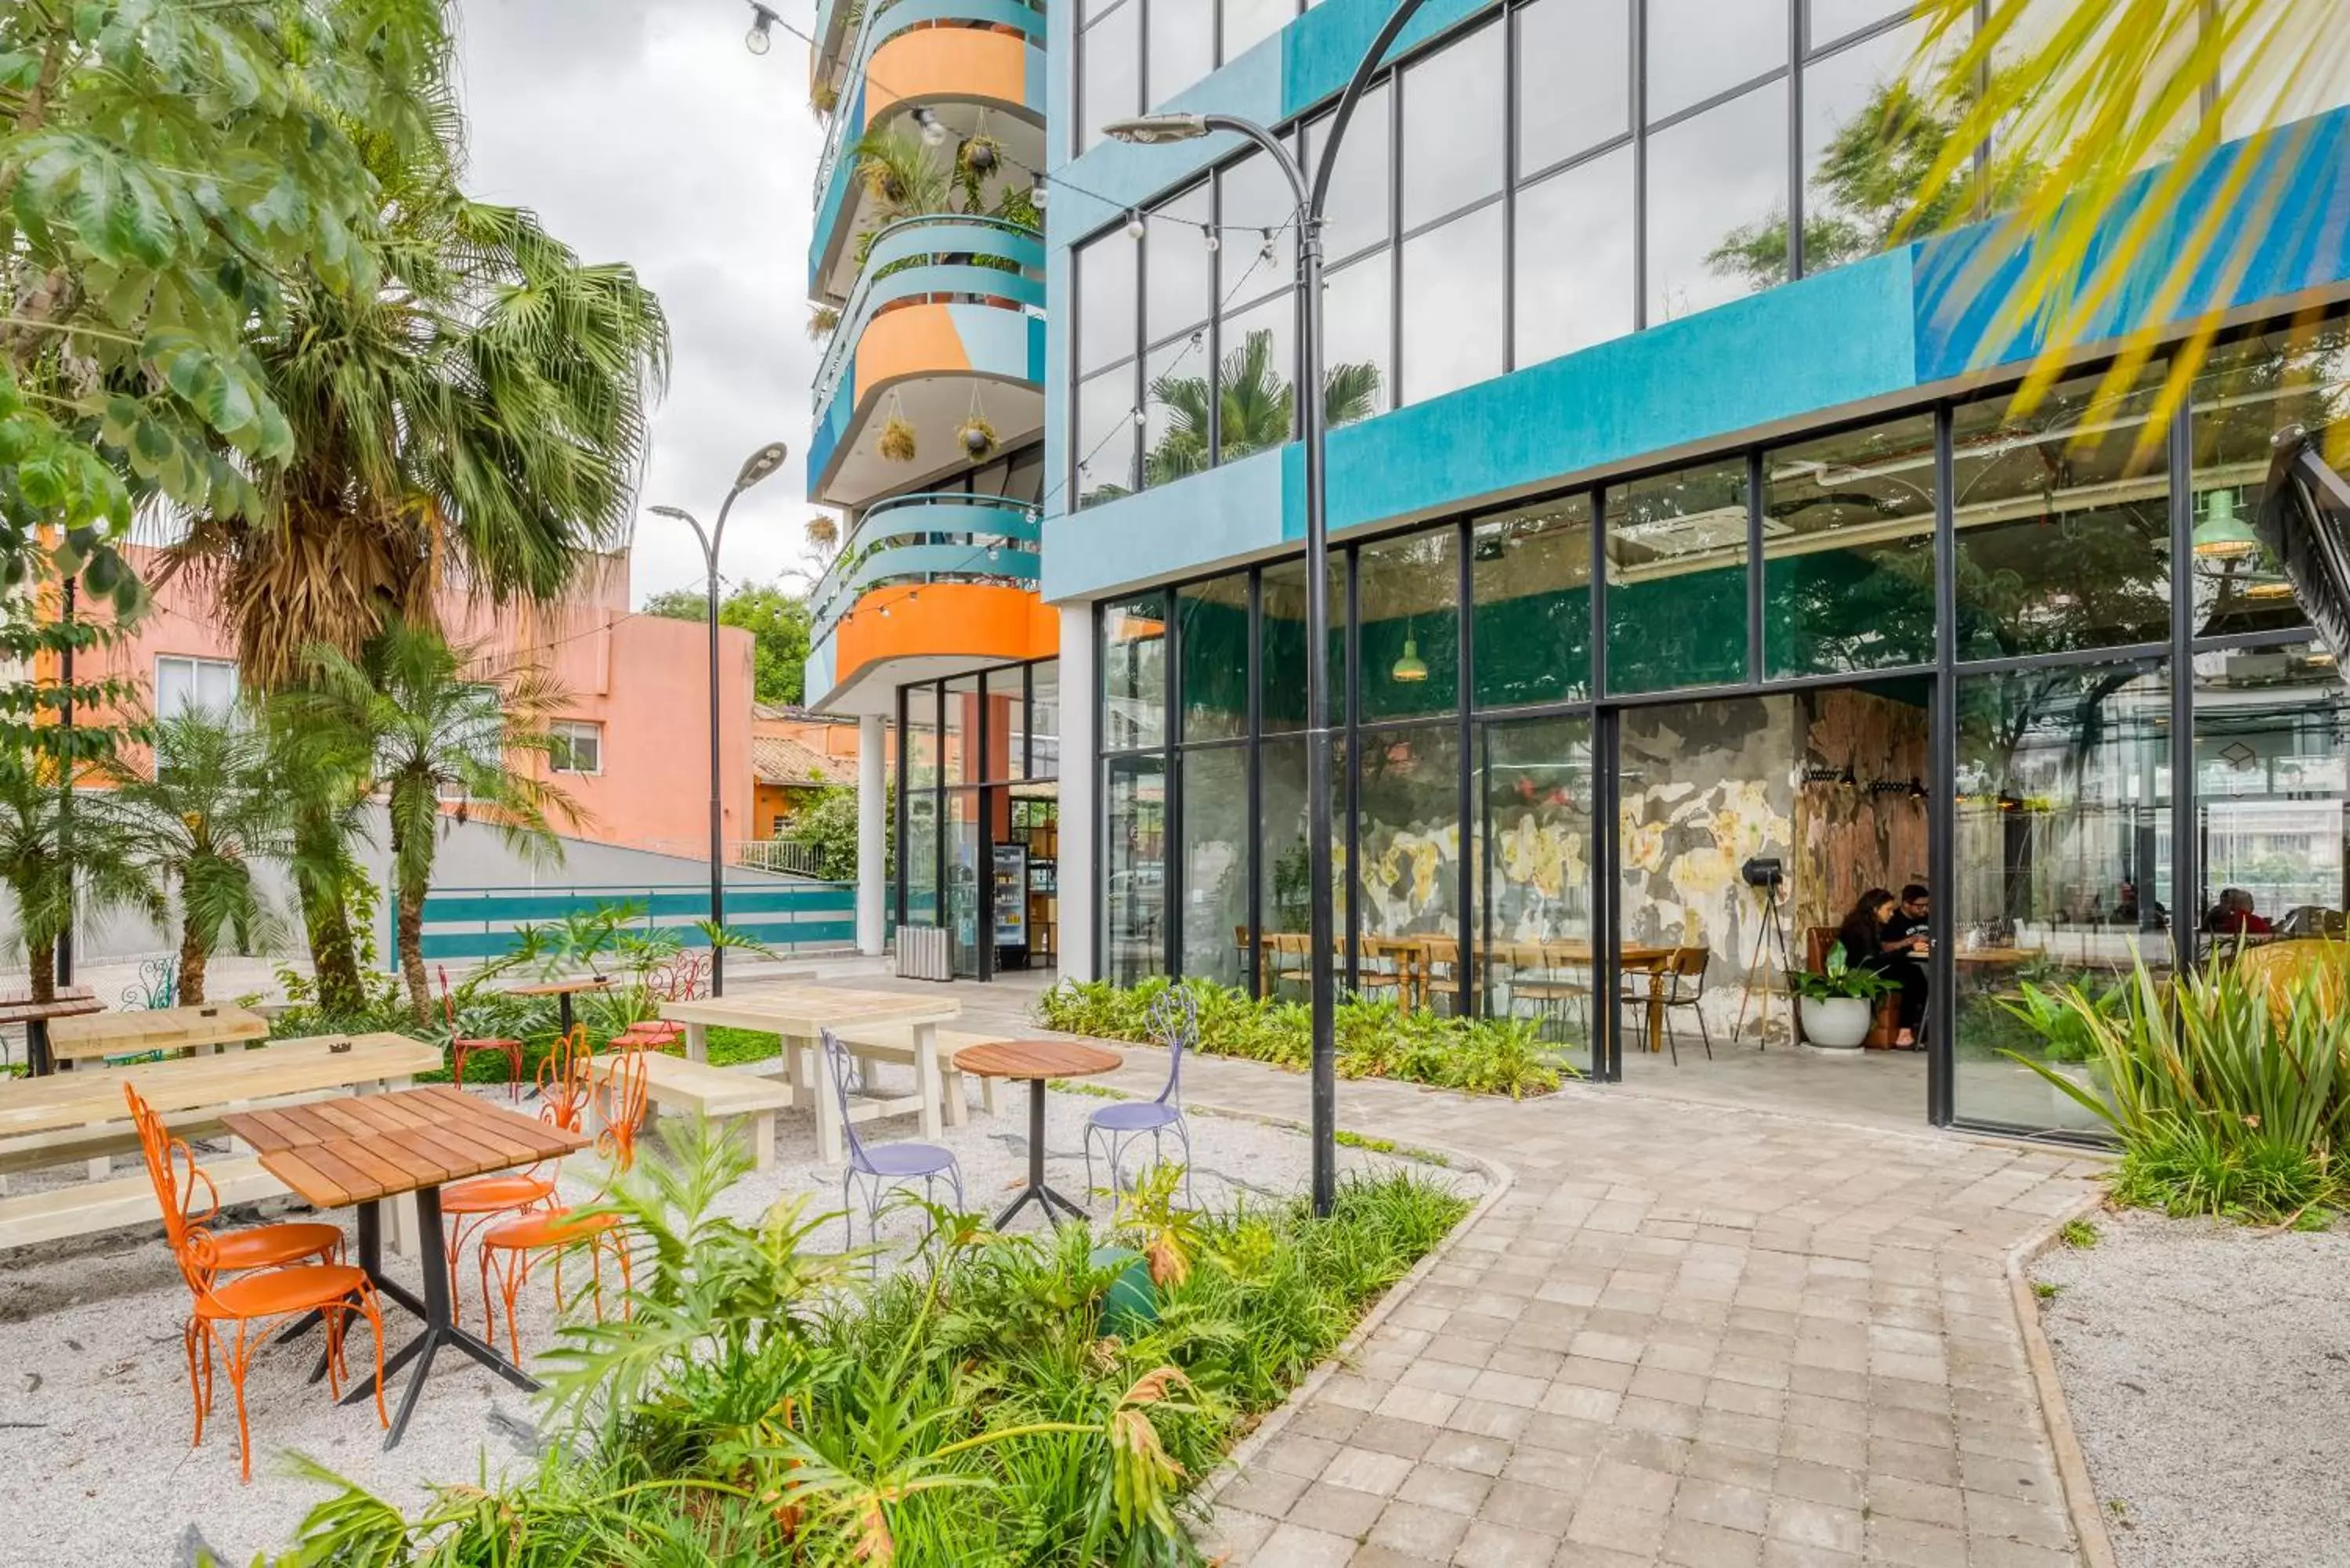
(759, 465)
(1156, 129)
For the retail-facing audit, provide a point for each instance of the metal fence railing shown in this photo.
(473, 924)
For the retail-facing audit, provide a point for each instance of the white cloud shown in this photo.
(643, 131)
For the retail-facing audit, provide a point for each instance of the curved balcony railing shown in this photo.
(885, 19)
(939, 257)
(950, 536)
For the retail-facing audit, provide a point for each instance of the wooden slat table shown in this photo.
(18, 1007)
(362, 1152)
(211, 1026)
(562, 990)
(1036, 1061)
(185, 1089)
(797, 1014)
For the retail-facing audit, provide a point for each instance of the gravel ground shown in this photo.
(95, 1408)
(2207, 1370)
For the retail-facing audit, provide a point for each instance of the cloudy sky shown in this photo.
(643, 131)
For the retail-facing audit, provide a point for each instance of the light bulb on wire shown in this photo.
(1208, 233)
(1134, 225)
(759, 40)
(934, 130)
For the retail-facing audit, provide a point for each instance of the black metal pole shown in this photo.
(717, 809)
(62, 964)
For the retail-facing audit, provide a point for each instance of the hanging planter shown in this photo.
(823, 534)
(978, 436)
(897, 444)
(824, 97)
(822, 323)
(980, 155)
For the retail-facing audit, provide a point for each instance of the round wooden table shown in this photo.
(1036, 1061)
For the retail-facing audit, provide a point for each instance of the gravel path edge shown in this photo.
(2072, 1464)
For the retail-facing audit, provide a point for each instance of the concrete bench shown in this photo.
(676, 1084)
(895, 1042)
(89, 1207)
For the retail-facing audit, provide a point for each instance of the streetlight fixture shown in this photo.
(1159, 130)
(760, 464)
(761, 38)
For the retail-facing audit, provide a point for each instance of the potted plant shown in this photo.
(1838, 1004)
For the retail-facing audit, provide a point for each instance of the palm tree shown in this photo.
(325, 782)
(2097, 92)
(106, 873)
(200, 815)
(478, 418)
(1258, 408)
(439, 727)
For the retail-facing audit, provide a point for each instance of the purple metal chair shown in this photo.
(1174, 1022)
(872, 1173)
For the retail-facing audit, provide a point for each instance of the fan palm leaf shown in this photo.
(1256, 407)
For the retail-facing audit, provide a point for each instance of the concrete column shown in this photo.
(1079, 804)
(872, 833)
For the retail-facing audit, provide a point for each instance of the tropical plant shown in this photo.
(617, 940)
(902, 176)
(204, 811)
(325, 779)
(777, 620)
(897, 440)
(51, 889)
(163, 163)
(474, 417)
(1839, 976)
(1257, 405)
(827, 822)
(441, 726)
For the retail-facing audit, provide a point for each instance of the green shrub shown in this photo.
(1376, 1038)
(2225, 1100)
(764, 1402)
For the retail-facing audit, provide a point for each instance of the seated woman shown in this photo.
(1873, 940)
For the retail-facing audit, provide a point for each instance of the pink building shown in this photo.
(633, 742)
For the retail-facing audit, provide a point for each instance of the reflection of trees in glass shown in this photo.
(1869, 179)
(1256, 403)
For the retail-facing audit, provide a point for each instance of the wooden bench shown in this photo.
(88, 1207)
(675, 1083)
(895, 1042)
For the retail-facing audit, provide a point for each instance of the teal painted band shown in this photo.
(1008, 523)
(907, 241)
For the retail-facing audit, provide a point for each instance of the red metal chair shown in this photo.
(460, 1047)
(677, 980)
(469, 1206)
(619, 1086)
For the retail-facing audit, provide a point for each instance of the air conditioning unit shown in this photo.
(923, 954)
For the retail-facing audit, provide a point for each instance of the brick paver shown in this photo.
(1688, 1335)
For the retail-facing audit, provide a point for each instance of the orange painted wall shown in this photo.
(645, 679)
(981, 621)
(959, 62)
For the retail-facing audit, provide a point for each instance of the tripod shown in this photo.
(1759, 968)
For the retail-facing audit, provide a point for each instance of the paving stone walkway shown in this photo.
(1701, 1336)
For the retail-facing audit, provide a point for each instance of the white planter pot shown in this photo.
(1837, 1022)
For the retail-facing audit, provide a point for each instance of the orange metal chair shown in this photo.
(169, 1160)
(469, 1206)
(619, 1083)
(675, 982)
(461, 1048)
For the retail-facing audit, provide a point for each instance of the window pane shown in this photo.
(1574, 246)
(1829, 20)
(1357, 326)
(1177, 266)
(1110, 87)
(1183, 47)
(1677, 579)
(961, 731)
(1007, 724)
(2063, 814)
(1356, 211)
(1574, 78)
(1452, 306)
(2271, 790)
(1453, 103)
(1134, 673)
(1848, 551)
(1534, 913)
(2247, 392)
(1284, 872)
(1134, 846)
(1700, 47)
(2064, 538)
(962, 892)
(1213, 632)
(1408, 874)
(1282, 675)
(1254, 194)
(1106, 437)
(1408, 594)
(1255, 391)
(1044, 719)
(1106, 279)
(1861, 122)
(1530, 575)
(1215, 862)
(1718, 204)
(1175, 409)
(1247, 22)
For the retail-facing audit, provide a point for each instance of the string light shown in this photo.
(934, 130)
(1208, 233)
(1134, 227)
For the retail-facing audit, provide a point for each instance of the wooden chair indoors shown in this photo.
(1674, 985)
(462, 1046)
(1543, 977)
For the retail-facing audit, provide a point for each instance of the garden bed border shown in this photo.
(2071, 1463)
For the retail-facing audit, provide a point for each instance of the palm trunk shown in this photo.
(411, 935)
(41, 958)
(192, 954)
(334, 954)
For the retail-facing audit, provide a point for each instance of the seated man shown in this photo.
(2233, 916)
(1905, 940)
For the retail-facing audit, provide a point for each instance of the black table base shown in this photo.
(440, 1323)
(1038, 1192)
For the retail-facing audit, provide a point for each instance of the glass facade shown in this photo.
(2022, 739)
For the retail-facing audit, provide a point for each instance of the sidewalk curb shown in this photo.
(2071, 1465)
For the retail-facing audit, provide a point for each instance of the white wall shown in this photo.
(1078, 806)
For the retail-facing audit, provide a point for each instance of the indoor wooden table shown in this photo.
(205, 1026)
(1036, 1061)
(562, 990)
(18, 1007)
(359, 1152)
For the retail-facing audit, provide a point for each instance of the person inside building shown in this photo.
(2234, 916)
(1904, 945)
(1864, 936)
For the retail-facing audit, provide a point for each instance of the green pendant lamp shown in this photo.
(2222, 535)
(1411, 667)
